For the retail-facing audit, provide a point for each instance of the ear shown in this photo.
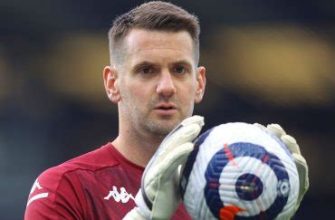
(201, 80)
(110, 76)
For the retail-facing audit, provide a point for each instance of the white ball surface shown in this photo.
(239, 171)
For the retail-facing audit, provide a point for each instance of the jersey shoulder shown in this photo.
(91, 161)
(58, 188)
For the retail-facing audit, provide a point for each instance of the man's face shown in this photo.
(158, 82)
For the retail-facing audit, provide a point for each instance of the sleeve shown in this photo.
(54, 196)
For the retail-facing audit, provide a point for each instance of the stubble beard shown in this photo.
(150, 124)
(159, 128)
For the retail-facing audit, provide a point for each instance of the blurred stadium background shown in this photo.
(268, 61)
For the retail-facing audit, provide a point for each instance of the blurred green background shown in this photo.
(267, 61)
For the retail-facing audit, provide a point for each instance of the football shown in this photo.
(239, 171)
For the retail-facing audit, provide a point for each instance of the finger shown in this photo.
(276, 129)
(184, 134)
(172, 143)
(195, 119)
(164, 170)
(186, 131)
(291, 144)
(303, 175)
(169, 164)
(173, 161)
(260, 126)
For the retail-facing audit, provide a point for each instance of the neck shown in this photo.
(138, 149)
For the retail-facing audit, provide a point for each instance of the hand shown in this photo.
(299, 160)
(159, 196)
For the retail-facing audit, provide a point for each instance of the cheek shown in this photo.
(188, 94)
(135, 94)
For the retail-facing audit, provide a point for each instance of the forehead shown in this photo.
(140, 42)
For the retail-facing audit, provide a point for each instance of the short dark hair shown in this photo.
(154, 15)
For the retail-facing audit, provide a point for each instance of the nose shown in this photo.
(166, 86)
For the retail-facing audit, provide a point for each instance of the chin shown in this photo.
(163, 126)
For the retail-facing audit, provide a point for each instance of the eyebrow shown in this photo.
(143, 64)
(183, 62)
(152, 64)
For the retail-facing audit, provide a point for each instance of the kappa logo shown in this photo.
(123, 196)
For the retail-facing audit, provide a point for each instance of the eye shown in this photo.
(180, 69)
(146, 70)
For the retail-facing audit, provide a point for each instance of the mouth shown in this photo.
(166, 109)
(166, 106)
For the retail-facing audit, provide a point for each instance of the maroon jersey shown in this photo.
(98, 185)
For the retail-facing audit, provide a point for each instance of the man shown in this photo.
(155, 80)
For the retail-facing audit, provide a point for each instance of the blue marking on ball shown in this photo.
(248, 186)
